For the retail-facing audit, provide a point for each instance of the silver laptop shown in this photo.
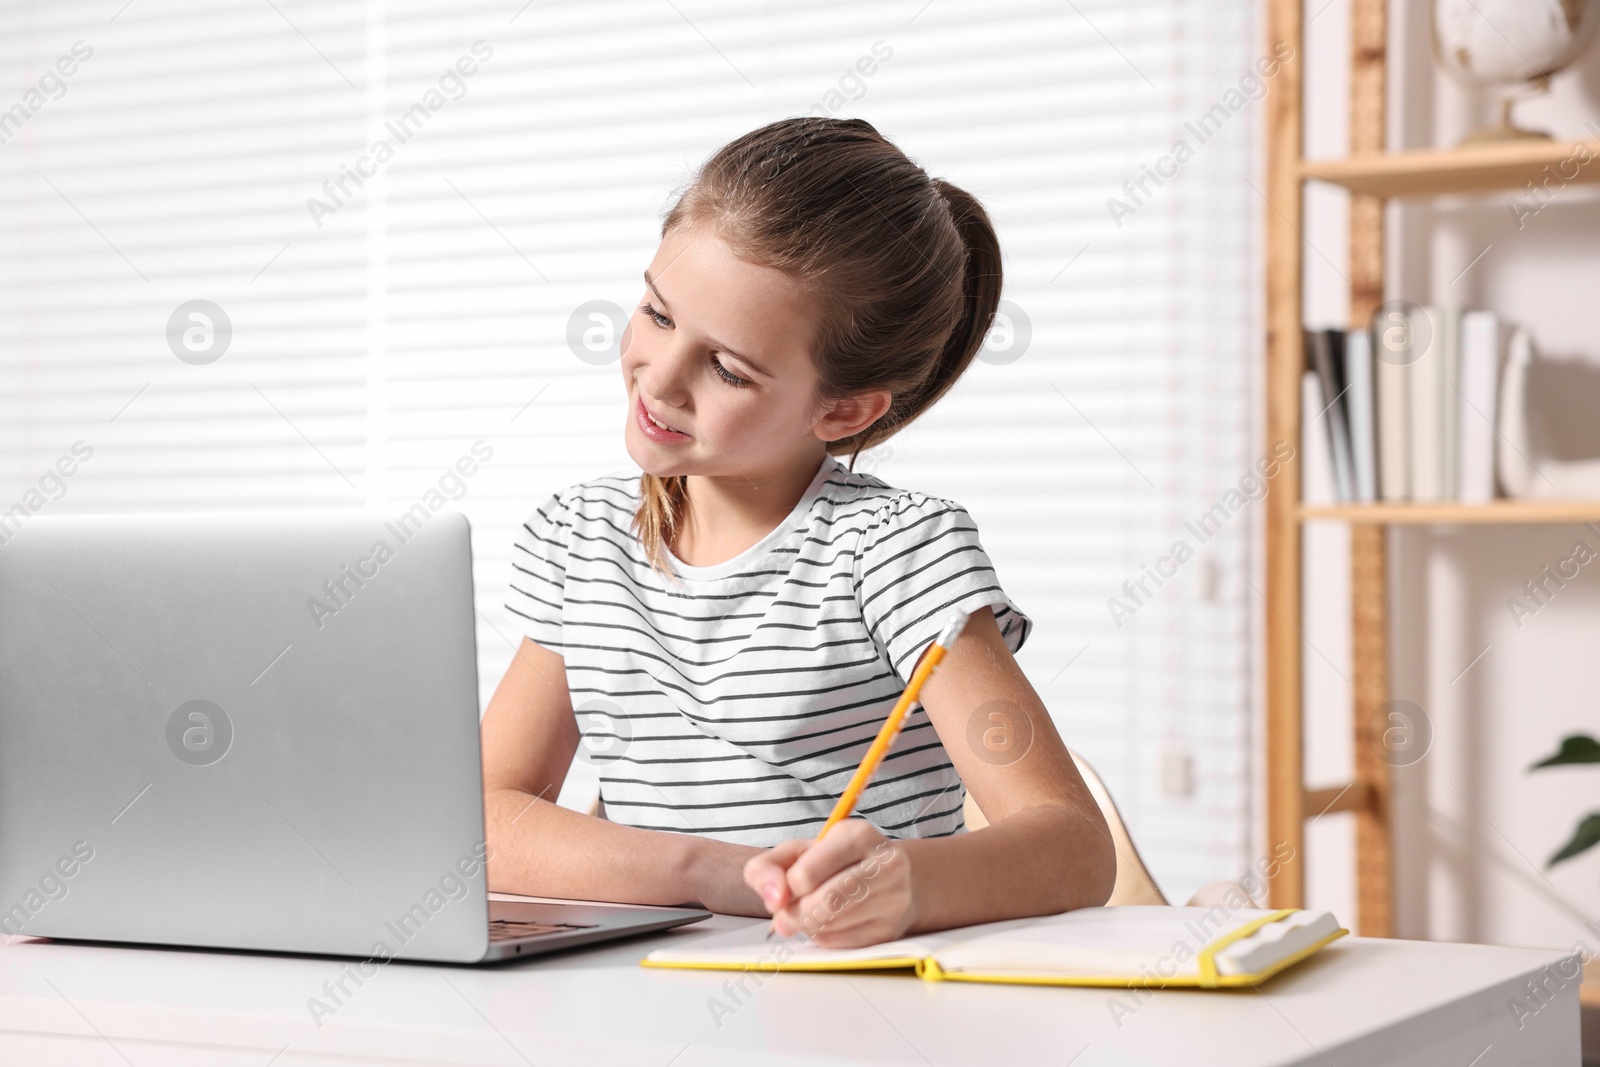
(254, 730)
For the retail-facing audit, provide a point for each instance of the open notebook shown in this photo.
(1132, 945)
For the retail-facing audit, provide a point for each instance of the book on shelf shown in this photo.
(1404, 410)
(1391, 408)
(1447, 351)
(1326, 351)
(1360, 414)
(1428, 366)
(1484, 340)
(1316, 453)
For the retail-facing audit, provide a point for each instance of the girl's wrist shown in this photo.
(916, 887)
(713, 874)
(928, 897)
(691, 867)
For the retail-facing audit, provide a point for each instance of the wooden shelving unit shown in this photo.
(1371, 175)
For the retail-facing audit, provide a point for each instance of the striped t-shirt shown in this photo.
(738, 706)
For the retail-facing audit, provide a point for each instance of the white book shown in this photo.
(1518, 477)
(1392, 382)
(1316, 456)
(1425, 393)
(1448, 343)
(1360, 413)
(1482, 346)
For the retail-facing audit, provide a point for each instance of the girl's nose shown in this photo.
(666, 375)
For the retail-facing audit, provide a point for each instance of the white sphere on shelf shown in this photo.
(1510, 47)
(1494, 43)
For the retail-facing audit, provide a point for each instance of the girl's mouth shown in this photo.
(654, 430)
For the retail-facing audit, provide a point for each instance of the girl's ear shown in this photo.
(851, 415)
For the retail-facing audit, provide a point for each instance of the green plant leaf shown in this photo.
(1575, 748)
(1586, 836)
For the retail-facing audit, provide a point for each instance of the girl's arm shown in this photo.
(1047, 848)
(537, 848)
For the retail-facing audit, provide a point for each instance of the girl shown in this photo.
(734, 624)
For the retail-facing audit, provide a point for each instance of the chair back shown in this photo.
(1134, 885)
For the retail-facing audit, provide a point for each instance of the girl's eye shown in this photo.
(666, 323)
(655, 316)
(723, 372)
(732, 379)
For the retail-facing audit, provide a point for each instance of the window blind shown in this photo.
(390, 213)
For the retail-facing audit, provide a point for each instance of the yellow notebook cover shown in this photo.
(1133, 946)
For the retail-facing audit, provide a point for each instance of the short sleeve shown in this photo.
(920, 560)
(539, 572)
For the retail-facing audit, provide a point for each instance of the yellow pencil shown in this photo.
(891, 725)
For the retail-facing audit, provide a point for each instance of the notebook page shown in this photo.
(750, 947)
(1133, 941)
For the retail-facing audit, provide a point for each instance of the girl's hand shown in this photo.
(852, 888)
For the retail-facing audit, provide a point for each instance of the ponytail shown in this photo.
(980, 282)
(980, 296)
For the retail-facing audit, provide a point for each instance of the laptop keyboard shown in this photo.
(509, 929)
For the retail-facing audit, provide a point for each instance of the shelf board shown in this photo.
(1473, 169)
(1495, 512)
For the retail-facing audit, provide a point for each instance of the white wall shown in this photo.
(1472, 827)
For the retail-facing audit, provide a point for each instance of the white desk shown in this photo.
(1358, 1003)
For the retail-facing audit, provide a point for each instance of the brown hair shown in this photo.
(905, 270)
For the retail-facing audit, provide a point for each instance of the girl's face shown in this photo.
(719, 350)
